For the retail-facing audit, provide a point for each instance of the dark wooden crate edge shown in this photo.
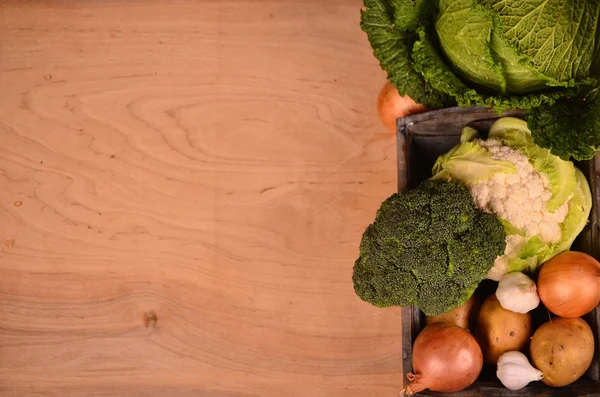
(411, 316)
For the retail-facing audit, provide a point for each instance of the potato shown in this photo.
(462, 316)
(500, 330)
(563, 350)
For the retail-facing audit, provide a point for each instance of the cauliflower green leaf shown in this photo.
(470, 163)
(579, 210)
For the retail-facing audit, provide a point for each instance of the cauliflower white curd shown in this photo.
(521, 199)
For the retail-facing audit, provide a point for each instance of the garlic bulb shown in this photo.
(515, 372)
(517, 292)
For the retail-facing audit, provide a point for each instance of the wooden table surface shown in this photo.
(183, 187)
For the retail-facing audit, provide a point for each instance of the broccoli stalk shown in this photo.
(430, 246)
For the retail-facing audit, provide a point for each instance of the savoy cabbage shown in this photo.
(502, 54)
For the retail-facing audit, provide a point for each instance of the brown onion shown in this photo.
(391, 106)
(569, 284)
(446, 358)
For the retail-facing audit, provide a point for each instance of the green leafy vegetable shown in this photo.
(550, 39)
(429, 246)
(567, 128)
(467, 44)
(392, 45)
(470, 163)
(579, 211)
(502, 54)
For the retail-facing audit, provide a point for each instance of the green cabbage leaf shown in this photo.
(501, 54)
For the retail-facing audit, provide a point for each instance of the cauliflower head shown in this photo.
(543, 201)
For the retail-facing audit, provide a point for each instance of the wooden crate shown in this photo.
(421, 139)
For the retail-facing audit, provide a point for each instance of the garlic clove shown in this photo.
(515, 372)
(517, 292)
(512, 357)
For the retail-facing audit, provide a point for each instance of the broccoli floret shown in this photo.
(430, 246)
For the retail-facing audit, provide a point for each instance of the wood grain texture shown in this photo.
(183, 186)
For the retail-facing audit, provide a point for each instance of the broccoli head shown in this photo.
(429, 246)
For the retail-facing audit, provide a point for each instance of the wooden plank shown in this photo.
(183, 186)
